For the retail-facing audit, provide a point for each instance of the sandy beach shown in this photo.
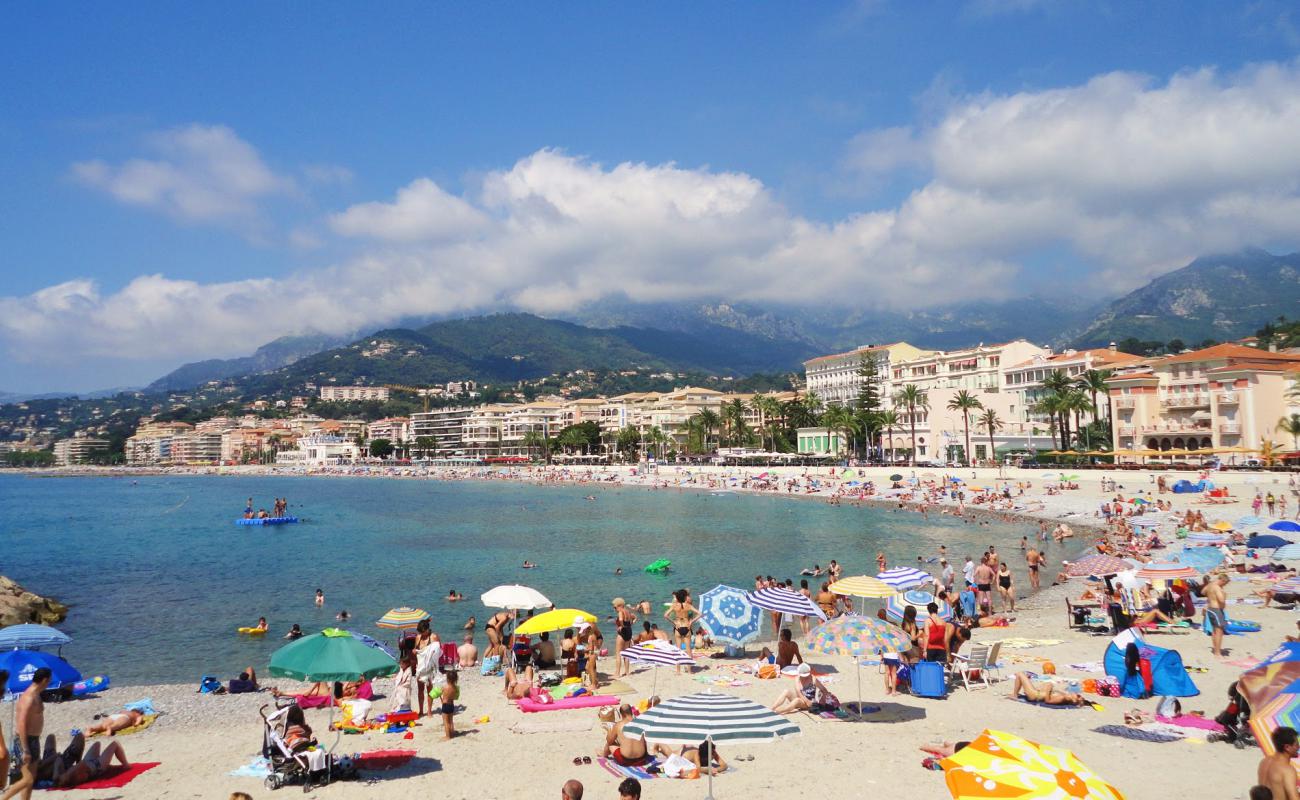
(201, 739)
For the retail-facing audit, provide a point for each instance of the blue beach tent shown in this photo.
(1168, 678)
(1185, 487)
(21, 664)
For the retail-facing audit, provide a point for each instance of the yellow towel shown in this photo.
(136, 728)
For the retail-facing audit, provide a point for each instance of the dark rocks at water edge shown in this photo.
(17, 605)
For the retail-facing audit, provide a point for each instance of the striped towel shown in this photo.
(620, 771)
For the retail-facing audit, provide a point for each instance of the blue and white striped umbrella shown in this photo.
(1291, 585)
(1248, 520)
(32, 637)
(786, 602)
(1144, 522)
(658, 653)
(902, 578)
(729, 615)
(1290, 552)
(1206, 538)
(695, 718)
(897, 605)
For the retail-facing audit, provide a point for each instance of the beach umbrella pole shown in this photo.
(709, 767)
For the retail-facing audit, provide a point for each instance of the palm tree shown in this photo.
(888, 421)
(1291, 426)
(1269, 451)
(1076, 402)
(912, 397)
(423, 444)
(1049, 406)
(965, 402)
(733, 417)
(1058, 383)
(813, 403)
(840, 419)
(658, 439)
(534, 440)
(769, 411)
(990, 422)
(708, 421)
(572, 437)
(1094, 382)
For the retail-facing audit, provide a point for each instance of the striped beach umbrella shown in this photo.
(902, 578)
(30, 636)
(786, 602)
(729, 615)
(1289, 552)
(1248, 520)
(1144, 522)
(709, 717)
(1291, 585)
(862, 586)
(1167, 571)
(1203, 559)
(402, 618)
(657, 654)
(1097, 565)
(854, 635)
(1004, 765)
(1204, 538)
(897, 605)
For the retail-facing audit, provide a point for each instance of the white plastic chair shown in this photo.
(977, 661)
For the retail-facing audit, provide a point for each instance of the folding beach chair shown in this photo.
(448, 659)
(973, 667)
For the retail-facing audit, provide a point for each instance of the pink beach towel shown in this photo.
(1191, 721)
(312, 701)
(530, 705)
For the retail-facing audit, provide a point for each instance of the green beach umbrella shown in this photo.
(331, 655)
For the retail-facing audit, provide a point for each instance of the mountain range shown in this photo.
(1218, 297)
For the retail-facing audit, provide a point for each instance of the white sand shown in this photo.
(201, 739)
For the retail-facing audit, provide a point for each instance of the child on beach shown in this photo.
(450, 694)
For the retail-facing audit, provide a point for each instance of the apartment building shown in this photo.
(353, 393)
(446, 427)
(518, 421)
(395, 429)
(320, 450)
(193, 449)
(1226, 396)
(152, 442)
(482, 431)
(243, 445)
(80, 449)
(835, 379)
(1025, 379)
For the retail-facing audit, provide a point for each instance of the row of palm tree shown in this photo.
(1067, 399)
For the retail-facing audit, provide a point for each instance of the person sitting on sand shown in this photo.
(544, 652)
(646, 634)
(96, 761)
(1045, 692)
(113, 723)
(246, 682)
(621, 748)
(467, 653)
(807, 691)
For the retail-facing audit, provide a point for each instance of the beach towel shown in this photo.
(136, 728)
(257, 768)
(383, 759)
(144, 706)
(312, 701)
(1025, 644)
(1191, 721)
(620, 771)
(114, 777)
(553, 725)
(529, 705)
(1137, 734)
(1049, 705)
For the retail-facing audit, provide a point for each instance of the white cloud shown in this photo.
(1133, 176)
(203, 174)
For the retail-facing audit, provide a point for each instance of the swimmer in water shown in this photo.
(529, 565)
(470, 624)
(320, 598)
(261, 624)
(591, 497)
(618, 570)
(343, 616)
(453, 596)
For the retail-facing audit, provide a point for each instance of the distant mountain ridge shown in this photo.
(272, 355)
(1218, 297)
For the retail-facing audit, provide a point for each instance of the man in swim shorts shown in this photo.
(1215, 611)
(93, 765)
(620, 747)
(29, 722)
(1045, 692)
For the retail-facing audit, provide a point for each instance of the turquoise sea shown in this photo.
(159, 576)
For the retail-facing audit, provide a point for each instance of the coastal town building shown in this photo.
(395, 429)
(320, 450)
(836, 378)
(354, 393)
(195, 448)
(152, 442)
(446, 427)
(1025, 379)
(80, 449)
(1227, 397)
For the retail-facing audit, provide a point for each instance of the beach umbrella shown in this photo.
(331, 655)
(709, 717)
(515, 597)
(1004, 765)
(657, 653)
(1260, 541)
(1203, 559)
(555, 620)
(786, 602)
(21, 664)
(857, 636)
(896, 477)
(402, 618)
(1222, 525)
(729, 615)
(1285, 525)
(897, 605)
(1291, 584)
(1097, 565)
(1167, 571)
(1144, 522)
(1287, 552)
(1270, 689)
(1249, 519)
(370, 641)
(862, 586)
(904, 578)
(32, 637)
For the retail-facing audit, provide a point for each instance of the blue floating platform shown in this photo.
(267, 521)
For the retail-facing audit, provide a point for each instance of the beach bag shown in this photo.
(491, 665)
(209, 684)
(1108, 687)
(767, 672)
(1090, 686)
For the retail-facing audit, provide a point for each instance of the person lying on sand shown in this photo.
(113, 723)
(697, 754)
(92, 765)
(943, 749)
(1043, 692)
(517, 687)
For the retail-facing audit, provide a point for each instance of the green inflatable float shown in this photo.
(661, 565)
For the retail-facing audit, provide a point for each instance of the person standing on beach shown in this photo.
(622, 636)
(968, 571)
(29, 723)
(681, 613)
(1035, 560)
(1276, 772)
(1215, 611)
(948, 575)
(984, 585)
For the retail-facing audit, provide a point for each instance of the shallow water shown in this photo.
(159, 576)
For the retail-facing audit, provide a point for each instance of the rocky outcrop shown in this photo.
(17, 605)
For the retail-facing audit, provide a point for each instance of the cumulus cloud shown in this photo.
(202, 174)
(1132, 176)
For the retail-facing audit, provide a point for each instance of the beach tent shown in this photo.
(1187, 487)
(22, 664)
(1168, 677)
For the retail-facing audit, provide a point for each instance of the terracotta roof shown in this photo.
(1229, 352)
(1103, 355)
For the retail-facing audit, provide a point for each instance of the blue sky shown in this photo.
(451, 158)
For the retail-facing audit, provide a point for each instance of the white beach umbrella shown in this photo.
(515, 598)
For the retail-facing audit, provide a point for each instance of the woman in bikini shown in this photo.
(681, 613)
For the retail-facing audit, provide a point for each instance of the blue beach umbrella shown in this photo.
(1266, 541)
(1285, 525)
(1249, 519)
(32, 637)
(897, 605)
(729, 615)
(905, 577)
(1203, 559)
(21, 664)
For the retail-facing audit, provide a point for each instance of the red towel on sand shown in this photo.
(384, 759)
(115, 776)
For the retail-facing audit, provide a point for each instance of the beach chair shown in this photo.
(972, 667)
(1081, 615)
(995, 667)
(448, 659)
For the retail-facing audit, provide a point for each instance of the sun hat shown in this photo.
(804, 669)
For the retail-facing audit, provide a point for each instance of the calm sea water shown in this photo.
(159, 576)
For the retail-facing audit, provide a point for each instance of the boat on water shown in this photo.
(266, 521)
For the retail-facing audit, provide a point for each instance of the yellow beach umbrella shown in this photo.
(862, 586)
(1004, 765)
(1222, 526)
(558, 619)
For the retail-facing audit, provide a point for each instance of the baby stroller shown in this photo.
(310, 768)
